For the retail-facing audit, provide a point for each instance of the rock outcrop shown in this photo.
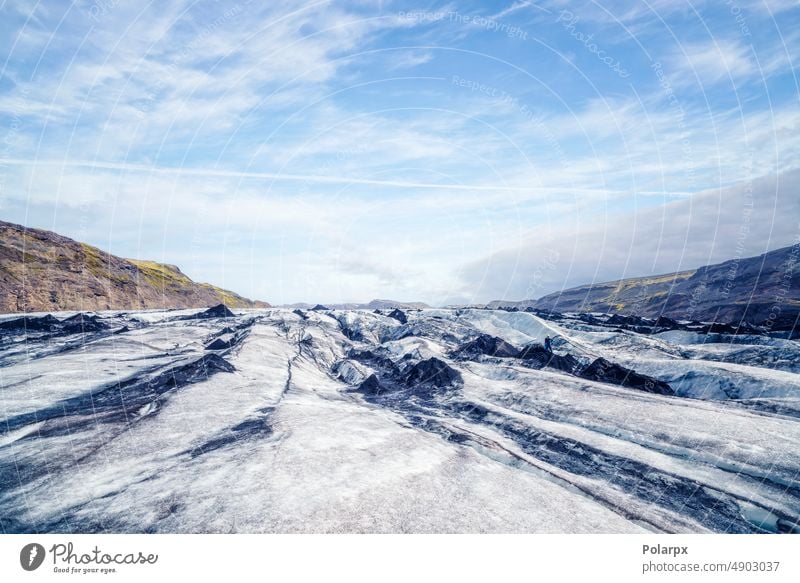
(603, 371)
(431, 373)
(399, 315)
(486, 345)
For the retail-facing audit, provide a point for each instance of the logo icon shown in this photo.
(31, 556)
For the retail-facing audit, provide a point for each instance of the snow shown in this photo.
(518, 328)
(284, 443)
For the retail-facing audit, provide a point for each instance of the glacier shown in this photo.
(358, 421)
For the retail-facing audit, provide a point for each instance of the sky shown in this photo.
(433, 151)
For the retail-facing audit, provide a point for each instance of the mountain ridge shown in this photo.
(42, 270)
(763, 290)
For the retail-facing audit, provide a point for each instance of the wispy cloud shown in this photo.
(409, 59)
(516, 6)
(315, 178)
(711, 62)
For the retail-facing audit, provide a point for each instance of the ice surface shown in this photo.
(139, 429)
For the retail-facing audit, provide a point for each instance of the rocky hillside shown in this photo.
(44, 271)
(763, 290)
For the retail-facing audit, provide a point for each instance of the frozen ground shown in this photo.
(336, 421)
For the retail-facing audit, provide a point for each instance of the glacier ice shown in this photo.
(353, 421)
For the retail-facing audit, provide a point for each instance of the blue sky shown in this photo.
(445, 152)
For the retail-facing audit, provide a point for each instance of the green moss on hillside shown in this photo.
(162, 276)
(92, 258)
(230, 299)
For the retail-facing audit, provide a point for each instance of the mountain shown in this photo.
(43, 271)
(763, 290)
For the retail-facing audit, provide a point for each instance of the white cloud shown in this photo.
(516, 6)
(145, 74)
(711, 62)
(408, 59)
